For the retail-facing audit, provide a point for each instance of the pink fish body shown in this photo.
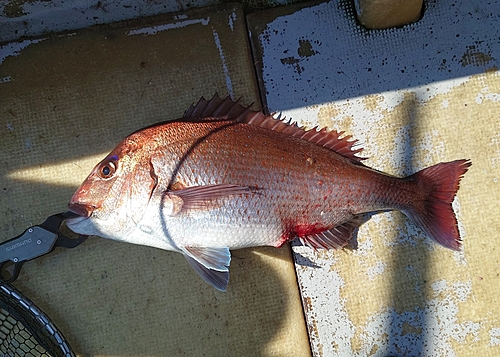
(224, 177)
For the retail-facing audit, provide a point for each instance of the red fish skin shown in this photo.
(299, 179)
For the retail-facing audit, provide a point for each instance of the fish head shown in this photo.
(113, 198)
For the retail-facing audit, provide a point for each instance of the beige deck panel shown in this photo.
(65, 102)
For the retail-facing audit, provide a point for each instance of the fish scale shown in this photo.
(283, 190)
(229, 178)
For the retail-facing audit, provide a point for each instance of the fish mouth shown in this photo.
(84, 211)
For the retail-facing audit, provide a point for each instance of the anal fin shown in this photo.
(334, 238)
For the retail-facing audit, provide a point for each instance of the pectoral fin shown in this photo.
(203, 197)
(212, 264)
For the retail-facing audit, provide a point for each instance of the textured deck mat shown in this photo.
(65, 102)
(414, 96)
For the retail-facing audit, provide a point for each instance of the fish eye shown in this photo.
(107, 169)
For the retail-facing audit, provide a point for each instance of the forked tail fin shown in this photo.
(433, 212)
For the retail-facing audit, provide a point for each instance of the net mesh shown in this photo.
(16, 340)
(25, 330)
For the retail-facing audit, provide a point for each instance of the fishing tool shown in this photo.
(35, 242)
(23, 326)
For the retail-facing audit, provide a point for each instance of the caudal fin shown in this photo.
(433, 212)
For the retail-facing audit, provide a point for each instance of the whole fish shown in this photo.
(226, 177)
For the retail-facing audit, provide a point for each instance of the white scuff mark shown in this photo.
(377, 269)
(495, 143)
(153, 30)
(495, 336)
(424, 94)
(439, 286)
(229, 84)
(429, 330)
(304, 117)
(181, 17)
(394, 232)
(459, 256)
(336, 316)
(14, 49)
(40, 16)
(10, 127)
(462, 290)
(368, 120)
(445, 103)
(5, 79)
(486, 94)
(492, 97)
(399, 232)
(232, 19)
(365, 245)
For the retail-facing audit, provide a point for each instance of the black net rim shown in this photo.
(36, 322)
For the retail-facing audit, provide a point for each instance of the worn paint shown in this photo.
(39, 17)
(396, 231)
(231, 20)
(153, 30)
(388, 234)
(15, 48)
(229, 84)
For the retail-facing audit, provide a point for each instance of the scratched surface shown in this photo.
(414, 96)
(20, 18)
(65, 102)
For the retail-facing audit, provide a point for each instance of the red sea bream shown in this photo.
(225, 177)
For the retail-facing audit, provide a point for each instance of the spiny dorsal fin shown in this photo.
(232, 110)
(215, 107)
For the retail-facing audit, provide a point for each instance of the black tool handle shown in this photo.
(34, 242)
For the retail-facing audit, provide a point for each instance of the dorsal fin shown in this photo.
(232, 110)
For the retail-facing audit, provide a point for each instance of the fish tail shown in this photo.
(432, 211)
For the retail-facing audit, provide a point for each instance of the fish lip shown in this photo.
(81, 210)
